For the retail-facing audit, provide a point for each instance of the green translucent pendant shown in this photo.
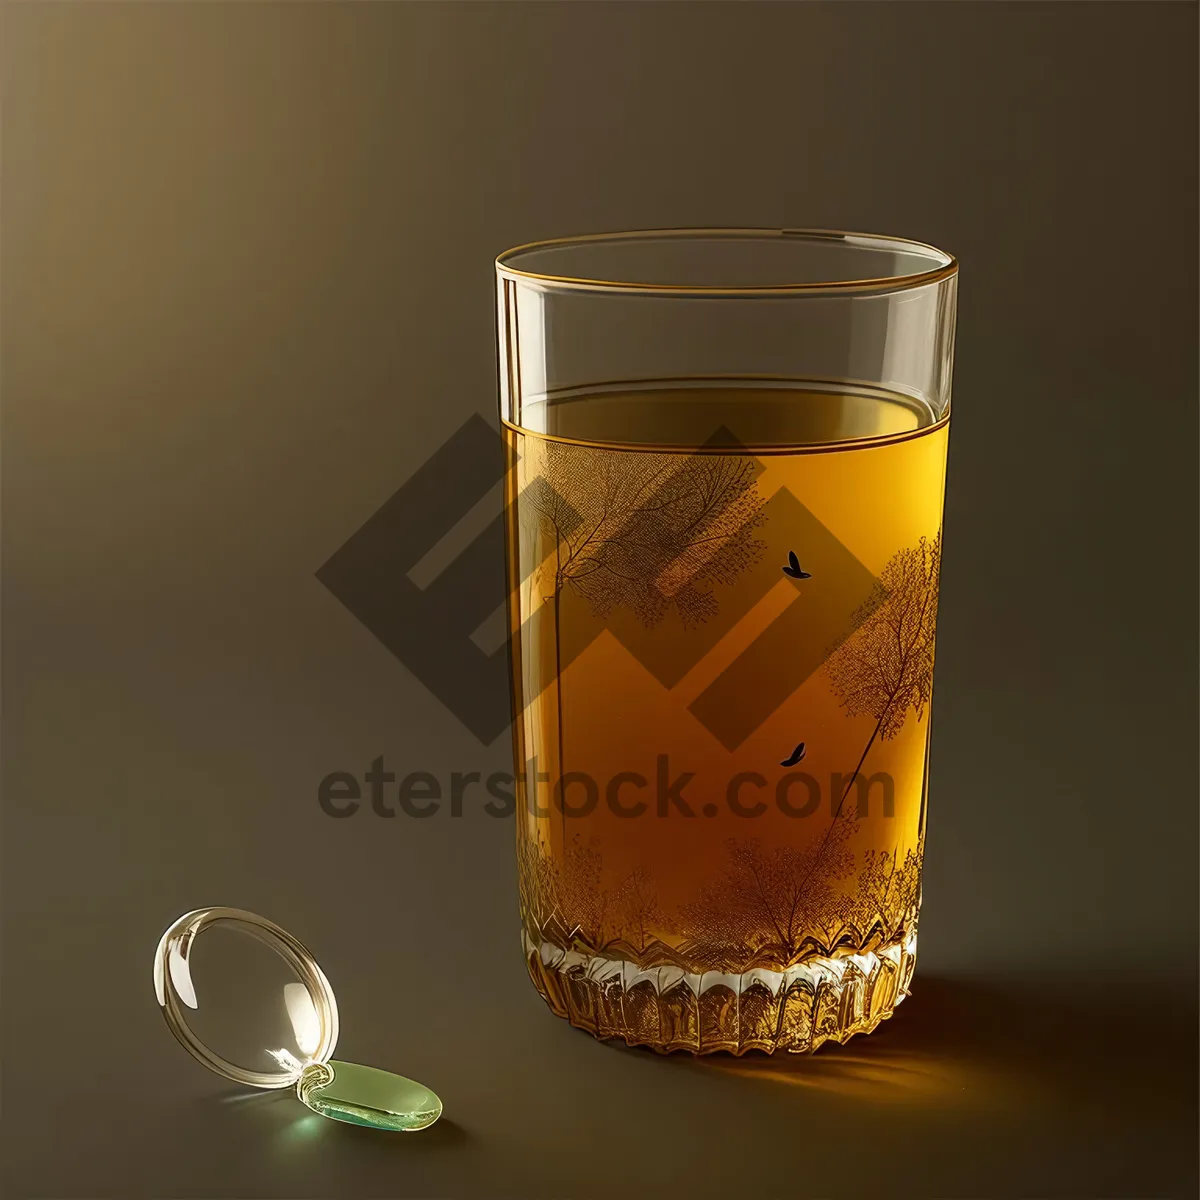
(367, 1096)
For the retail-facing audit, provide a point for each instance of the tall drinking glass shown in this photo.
(724, 511)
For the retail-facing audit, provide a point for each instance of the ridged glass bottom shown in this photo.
(797, 1010)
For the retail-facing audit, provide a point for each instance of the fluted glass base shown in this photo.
(797, 1010)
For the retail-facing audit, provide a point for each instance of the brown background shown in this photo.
(247, 290)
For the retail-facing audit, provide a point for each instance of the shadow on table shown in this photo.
(996, 1044)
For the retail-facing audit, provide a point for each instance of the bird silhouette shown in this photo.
(793, 568)
(795, 756)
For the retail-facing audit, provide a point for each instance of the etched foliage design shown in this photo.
(639, 917)
(647, 532)
(769, 909)
(564, 903)
(884, 668)
(774, 905)
(771, 904)
(561, 895)
(887, 892)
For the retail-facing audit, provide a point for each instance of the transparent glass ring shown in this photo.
(176, 994)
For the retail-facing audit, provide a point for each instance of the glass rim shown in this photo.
(946, 265)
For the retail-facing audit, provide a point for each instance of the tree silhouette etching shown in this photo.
(563, 903)
(648, 532)
(561, 898)
(884, 669)
(769, 908)
(887, 893)
(639, 916)
(773, 908)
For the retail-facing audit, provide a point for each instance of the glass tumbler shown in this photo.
(723, 529)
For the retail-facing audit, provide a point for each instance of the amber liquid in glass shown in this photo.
(723, 600)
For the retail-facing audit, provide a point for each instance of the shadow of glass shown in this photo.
(993, 1044)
